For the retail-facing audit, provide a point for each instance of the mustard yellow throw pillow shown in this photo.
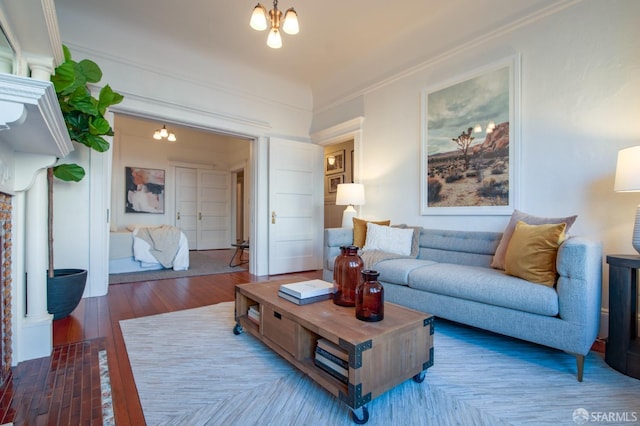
(532, 251)
(360, 230)
(501, 250)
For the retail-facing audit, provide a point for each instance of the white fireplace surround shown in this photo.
(33, 136)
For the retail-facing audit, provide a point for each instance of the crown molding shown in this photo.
(151, 108)
(338, 133)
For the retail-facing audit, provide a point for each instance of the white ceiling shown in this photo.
(342, 45)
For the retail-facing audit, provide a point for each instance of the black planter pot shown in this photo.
(64, 291)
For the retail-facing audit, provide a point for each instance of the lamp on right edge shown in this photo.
(349, 194)
(628, 180)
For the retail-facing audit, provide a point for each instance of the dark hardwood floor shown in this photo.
(41, 391)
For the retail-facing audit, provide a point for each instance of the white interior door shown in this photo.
(187, 204)
(296, 206)
(214, 209)
(203, 207)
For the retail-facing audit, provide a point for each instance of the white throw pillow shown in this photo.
(388, 239)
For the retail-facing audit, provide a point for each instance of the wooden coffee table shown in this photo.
(381, 354)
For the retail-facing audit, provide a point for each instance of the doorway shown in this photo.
(338, 168)
(199, 179)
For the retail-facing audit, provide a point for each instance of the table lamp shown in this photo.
(628, 180)
(349, 194)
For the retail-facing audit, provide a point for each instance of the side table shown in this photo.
(623, 346)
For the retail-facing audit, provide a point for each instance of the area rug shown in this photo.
(199, 264)
(190, 368)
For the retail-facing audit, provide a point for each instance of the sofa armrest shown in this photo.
(334, 238)
(579, 287)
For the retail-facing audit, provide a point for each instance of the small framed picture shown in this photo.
(334, 163)
(333, 181)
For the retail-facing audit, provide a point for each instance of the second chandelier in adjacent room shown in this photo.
(289, 24)
(164, 134)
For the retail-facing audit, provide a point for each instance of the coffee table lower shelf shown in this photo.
(380, 355)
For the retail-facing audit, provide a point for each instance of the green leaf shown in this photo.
(77, 120)
(82, 101)
(90, 70)
(95, 142)
(64, 77)
(67, 53)
(69, 172)
(107, 98)
(100, 126)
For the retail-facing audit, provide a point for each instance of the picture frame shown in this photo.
(470, 136)
(332, 183)
(334, 162)
(144, 190)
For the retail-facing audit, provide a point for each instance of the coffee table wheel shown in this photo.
(363, 417)
(419, 378)
(237, 329)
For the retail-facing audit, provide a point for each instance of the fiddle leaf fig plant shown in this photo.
(84, 117)
(83, 114)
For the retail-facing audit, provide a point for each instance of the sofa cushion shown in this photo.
(396, 271)
(532, 252)
(388, 239)
(485, 285)
(360, 230)
(501, 251)
(464, 247)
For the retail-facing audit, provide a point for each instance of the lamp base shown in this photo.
(635, 240)
(347, 217)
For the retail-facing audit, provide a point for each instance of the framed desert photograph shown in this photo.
(144, 190)
(470, 134)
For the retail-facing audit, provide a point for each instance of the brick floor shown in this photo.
(62, 389)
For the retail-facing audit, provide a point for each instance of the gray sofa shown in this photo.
(451, 278)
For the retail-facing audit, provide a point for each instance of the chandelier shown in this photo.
(289, 24)
(164, 134)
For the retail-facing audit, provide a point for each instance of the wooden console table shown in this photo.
(623, 346)
(380, 355)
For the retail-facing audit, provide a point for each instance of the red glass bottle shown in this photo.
(370, 297)
(346, 274)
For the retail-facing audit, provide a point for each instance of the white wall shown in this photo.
(580, 105)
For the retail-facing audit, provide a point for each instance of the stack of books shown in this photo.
(332, 359)
(254, 313)
(305, 292)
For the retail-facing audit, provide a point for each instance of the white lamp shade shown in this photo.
(290, 25)
(259, 18)
(274, 40)
(350, 194)
(628, 170)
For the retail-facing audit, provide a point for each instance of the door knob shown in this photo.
(199, 215)
(178, 215)
(273, 217)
